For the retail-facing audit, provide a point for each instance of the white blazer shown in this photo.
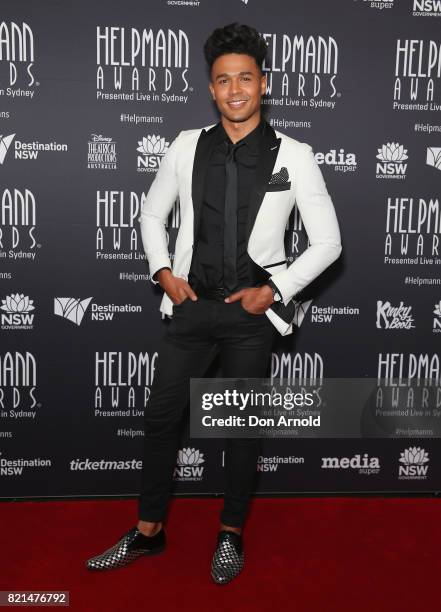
(287, 173)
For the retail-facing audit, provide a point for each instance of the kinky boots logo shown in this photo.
(413, 228)
(417, 84)
(142, 65)
(188, 465)
(18, 225)
(122, 383)
(18, 386)
(17, 60)
(394, 317)
(302, 71)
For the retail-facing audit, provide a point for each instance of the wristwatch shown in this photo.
(276, 293)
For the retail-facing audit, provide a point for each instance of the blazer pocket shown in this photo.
(277, 263)
(278, 186)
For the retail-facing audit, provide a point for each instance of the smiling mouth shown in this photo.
(237, 103)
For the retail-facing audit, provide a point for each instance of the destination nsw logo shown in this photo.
(74, 309)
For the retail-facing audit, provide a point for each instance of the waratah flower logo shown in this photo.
(152, 145)
(437, 310)
(392, 152)
(190, 456)
(17, 303)
(414, 456)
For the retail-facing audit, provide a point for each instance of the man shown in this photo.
(230, 289)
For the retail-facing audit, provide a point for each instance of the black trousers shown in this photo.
(197, 333)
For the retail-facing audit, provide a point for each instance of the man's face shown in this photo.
(237, 86)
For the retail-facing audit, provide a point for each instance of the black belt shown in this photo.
(216, 293)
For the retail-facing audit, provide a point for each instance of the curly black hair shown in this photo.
(235, 38)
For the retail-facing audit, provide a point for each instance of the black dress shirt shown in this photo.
(207, 263)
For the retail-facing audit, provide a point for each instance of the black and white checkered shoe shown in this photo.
(228, 559)
(132, 545)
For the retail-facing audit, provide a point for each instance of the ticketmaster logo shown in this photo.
(102, 465)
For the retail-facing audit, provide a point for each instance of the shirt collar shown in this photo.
(252, 139)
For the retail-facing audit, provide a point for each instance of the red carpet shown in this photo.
(303, 554)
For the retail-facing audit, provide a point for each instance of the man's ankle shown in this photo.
(149, 528)
(229, 528)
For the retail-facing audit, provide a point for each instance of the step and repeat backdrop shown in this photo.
(91, 96)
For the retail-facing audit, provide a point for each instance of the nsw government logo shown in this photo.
(391, 166)
(188, 466)
(152, 149)
(413, 460)
(17, 313)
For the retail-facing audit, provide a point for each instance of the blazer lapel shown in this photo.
(264, 170)
(200, 166)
